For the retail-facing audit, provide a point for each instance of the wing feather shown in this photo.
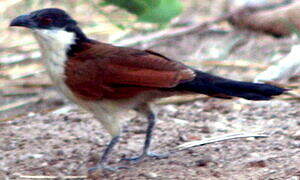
(117, 68)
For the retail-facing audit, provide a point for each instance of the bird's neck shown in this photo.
(53, 45)
(63, 41)
(80, 40)
(57, 45)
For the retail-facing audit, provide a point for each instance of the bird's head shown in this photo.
(49, 19)
(51, 25)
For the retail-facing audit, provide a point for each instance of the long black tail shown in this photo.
(225, 88)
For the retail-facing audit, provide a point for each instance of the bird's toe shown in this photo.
(105, 168)
(141, 157)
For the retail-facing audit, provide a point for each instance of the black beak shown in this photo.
(23, 21)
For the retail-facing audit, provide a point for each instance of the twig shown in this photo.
(18, 58)
(19, 92)
(289, 98)
(237, 63)
(30, 83)
(193, 144)
(175, 32)
(19, 104)
(293, 85)
(180, 99)
(295, 95)
(52, 177)
(26, 74)
(171, 33)
(13, 117)
(20, 44)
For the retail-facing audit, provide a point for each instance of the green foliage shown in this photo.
(153, 11)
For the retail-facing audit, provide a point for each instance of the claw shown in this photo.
(141, 157)
(105, 168)
(157, 156)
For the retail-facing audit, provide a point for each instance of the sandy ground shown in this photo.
(56, 138)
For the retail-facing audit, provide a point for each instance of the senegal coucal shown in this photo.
(108, 80)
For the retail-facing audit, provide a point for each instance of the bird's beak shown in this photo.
(23, 21)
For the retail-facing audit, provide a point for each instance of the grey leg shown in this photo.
(146, 152)
(151, 124)
(106, 153)
(109, 149)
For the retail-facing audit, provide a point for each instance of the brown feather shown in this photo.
(104, 71)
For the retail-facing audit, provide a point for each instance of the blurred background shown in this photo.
(225, 37)
(174, 28)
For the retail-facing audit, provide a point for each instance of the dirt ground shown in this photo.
(53, 137)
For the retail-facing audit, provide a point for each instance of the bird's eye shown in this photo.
(46, 21)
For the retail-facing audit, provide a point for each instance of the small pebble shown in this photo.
(296, 135)
(149, 175)
(31, 114)
(60, 153)
(205, 129)
(257, 163)
(204, 161)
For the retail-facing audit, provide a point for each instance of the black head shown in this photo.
(50, 18)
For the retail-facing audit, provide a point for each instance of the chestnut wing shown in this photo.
(105, 71)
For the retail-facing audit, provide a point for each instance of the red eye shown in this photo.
(46, 21)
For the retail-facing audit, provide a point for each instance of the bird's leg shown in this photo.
(146, 152)
(102, 163)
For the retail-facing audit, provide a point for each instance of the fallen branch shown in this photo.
(236, 63)
(11, 118)
(19, 104)
(194, 28)
(293, 94)
(293, 85)
(20, 91)
(180, 99)
(175, 32)
(26, 74)
(193, 144)
(18, 58)
(30, 83)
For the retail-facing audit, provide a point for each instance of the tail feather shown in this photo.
(225, 88)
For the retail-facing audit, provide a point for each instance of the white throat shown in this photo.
(54, 38)
(54, 45)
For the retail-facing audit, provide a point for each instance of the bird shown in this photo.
(107, 80)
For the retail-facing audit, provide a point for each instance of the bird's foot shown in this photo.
(105, 168)
(149, 154)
